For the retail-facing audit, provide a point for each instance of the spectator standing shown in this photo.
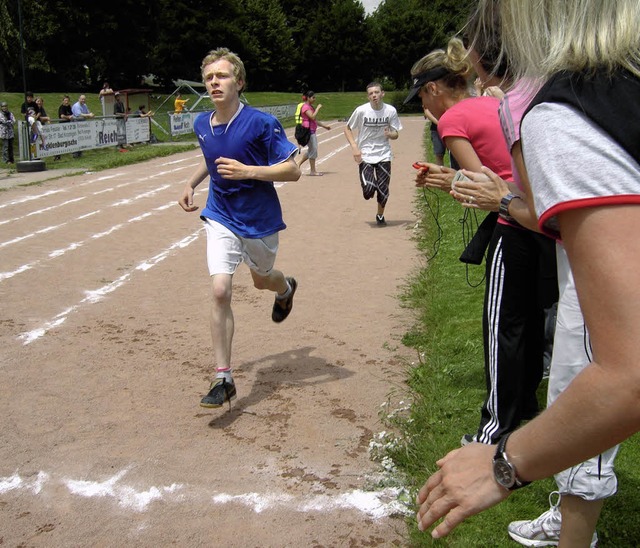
(80, 109)
(81, 112)
(375, 123)
(585, 191)
(30, 102)
(244, 151)
(119, 112)
(106, 90)
(7, 132)
(576, 505)
(142, 112)
(521, 280)
(179, 103)
(309, 116)
(65, 114)
(41, 113)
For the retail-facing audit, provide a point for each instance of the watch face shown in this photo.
(504, 473)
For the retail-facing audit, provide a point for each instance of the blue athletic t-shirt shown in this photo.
(248, 207)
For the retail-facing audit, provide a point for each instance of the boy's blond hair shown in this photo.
(239, 72)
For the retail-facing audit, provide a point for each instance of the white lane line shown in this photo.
(119, 203)
(57, 191)
(332, 154)
(31, 198)
(96, 193)
(327, 156)
(77, 245)
(40, 211)
(189, 159)
(96, 295)
(27, 236)
(374, 504)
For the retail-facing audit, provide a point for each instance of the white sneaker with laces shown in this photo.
(545, 529)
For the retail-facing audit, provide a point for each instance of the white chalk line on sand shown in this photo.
(77, 245)
(33, 197)
(119, 203)
(96, 193)
(96, 295)
(86, 183)
(375, 504)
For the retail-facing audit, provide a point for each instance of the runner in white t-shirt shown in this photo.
(376, 123)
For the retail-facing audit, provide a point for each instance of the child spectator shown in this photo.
(7, 119)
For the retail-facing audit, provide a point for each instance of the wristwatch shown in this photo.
(504, 206)
(503, 471)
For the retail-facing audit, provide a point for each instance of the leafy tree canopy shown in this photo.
(286, 46)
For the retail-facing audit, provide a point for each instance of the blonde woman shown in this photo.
(520, 266)
(580, 147)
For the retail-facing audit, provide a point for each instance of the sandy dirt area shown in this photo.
(105, 354)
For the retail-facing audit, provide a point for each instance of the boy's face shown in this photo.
(220, 82)
(375, 95)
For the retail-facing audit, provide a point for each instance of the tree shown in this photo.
(75, 45)
(267, 45)
(186, 30)
(336, 47)
(406, 30)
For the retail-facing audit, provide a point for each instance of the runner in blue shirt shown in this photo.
(244, 151)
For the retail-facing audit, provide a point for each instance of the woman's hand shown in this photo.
(463, 486)
(434, 176)
(483, 190)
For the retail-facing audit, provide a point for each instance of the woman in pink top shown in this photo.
(520, 265)
(309, 116)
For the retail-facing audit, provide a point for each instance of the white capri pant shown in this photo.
(312, 147)
(595, 478)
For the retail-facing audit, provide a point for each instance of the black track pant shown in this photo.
(521, 282)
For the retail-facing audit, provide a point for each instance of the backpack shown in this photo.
(302, 134)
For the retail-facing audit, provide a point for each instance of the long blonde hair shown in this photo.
(542, 37)
(454, 59)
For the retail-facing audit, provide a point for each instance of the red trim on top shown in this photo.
(582, 203)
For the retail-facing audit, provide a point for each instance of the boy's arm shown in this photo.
(229, 168)
(357, 154)
(186, 199)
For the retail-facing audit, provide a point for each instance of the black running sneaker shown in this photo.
(282, 307)
(220, 392)
(380, 220)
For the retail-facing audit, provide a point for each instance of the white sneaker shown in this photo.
(545, 529)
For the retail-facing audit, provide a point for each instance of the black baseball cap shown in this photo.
(421, 79)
